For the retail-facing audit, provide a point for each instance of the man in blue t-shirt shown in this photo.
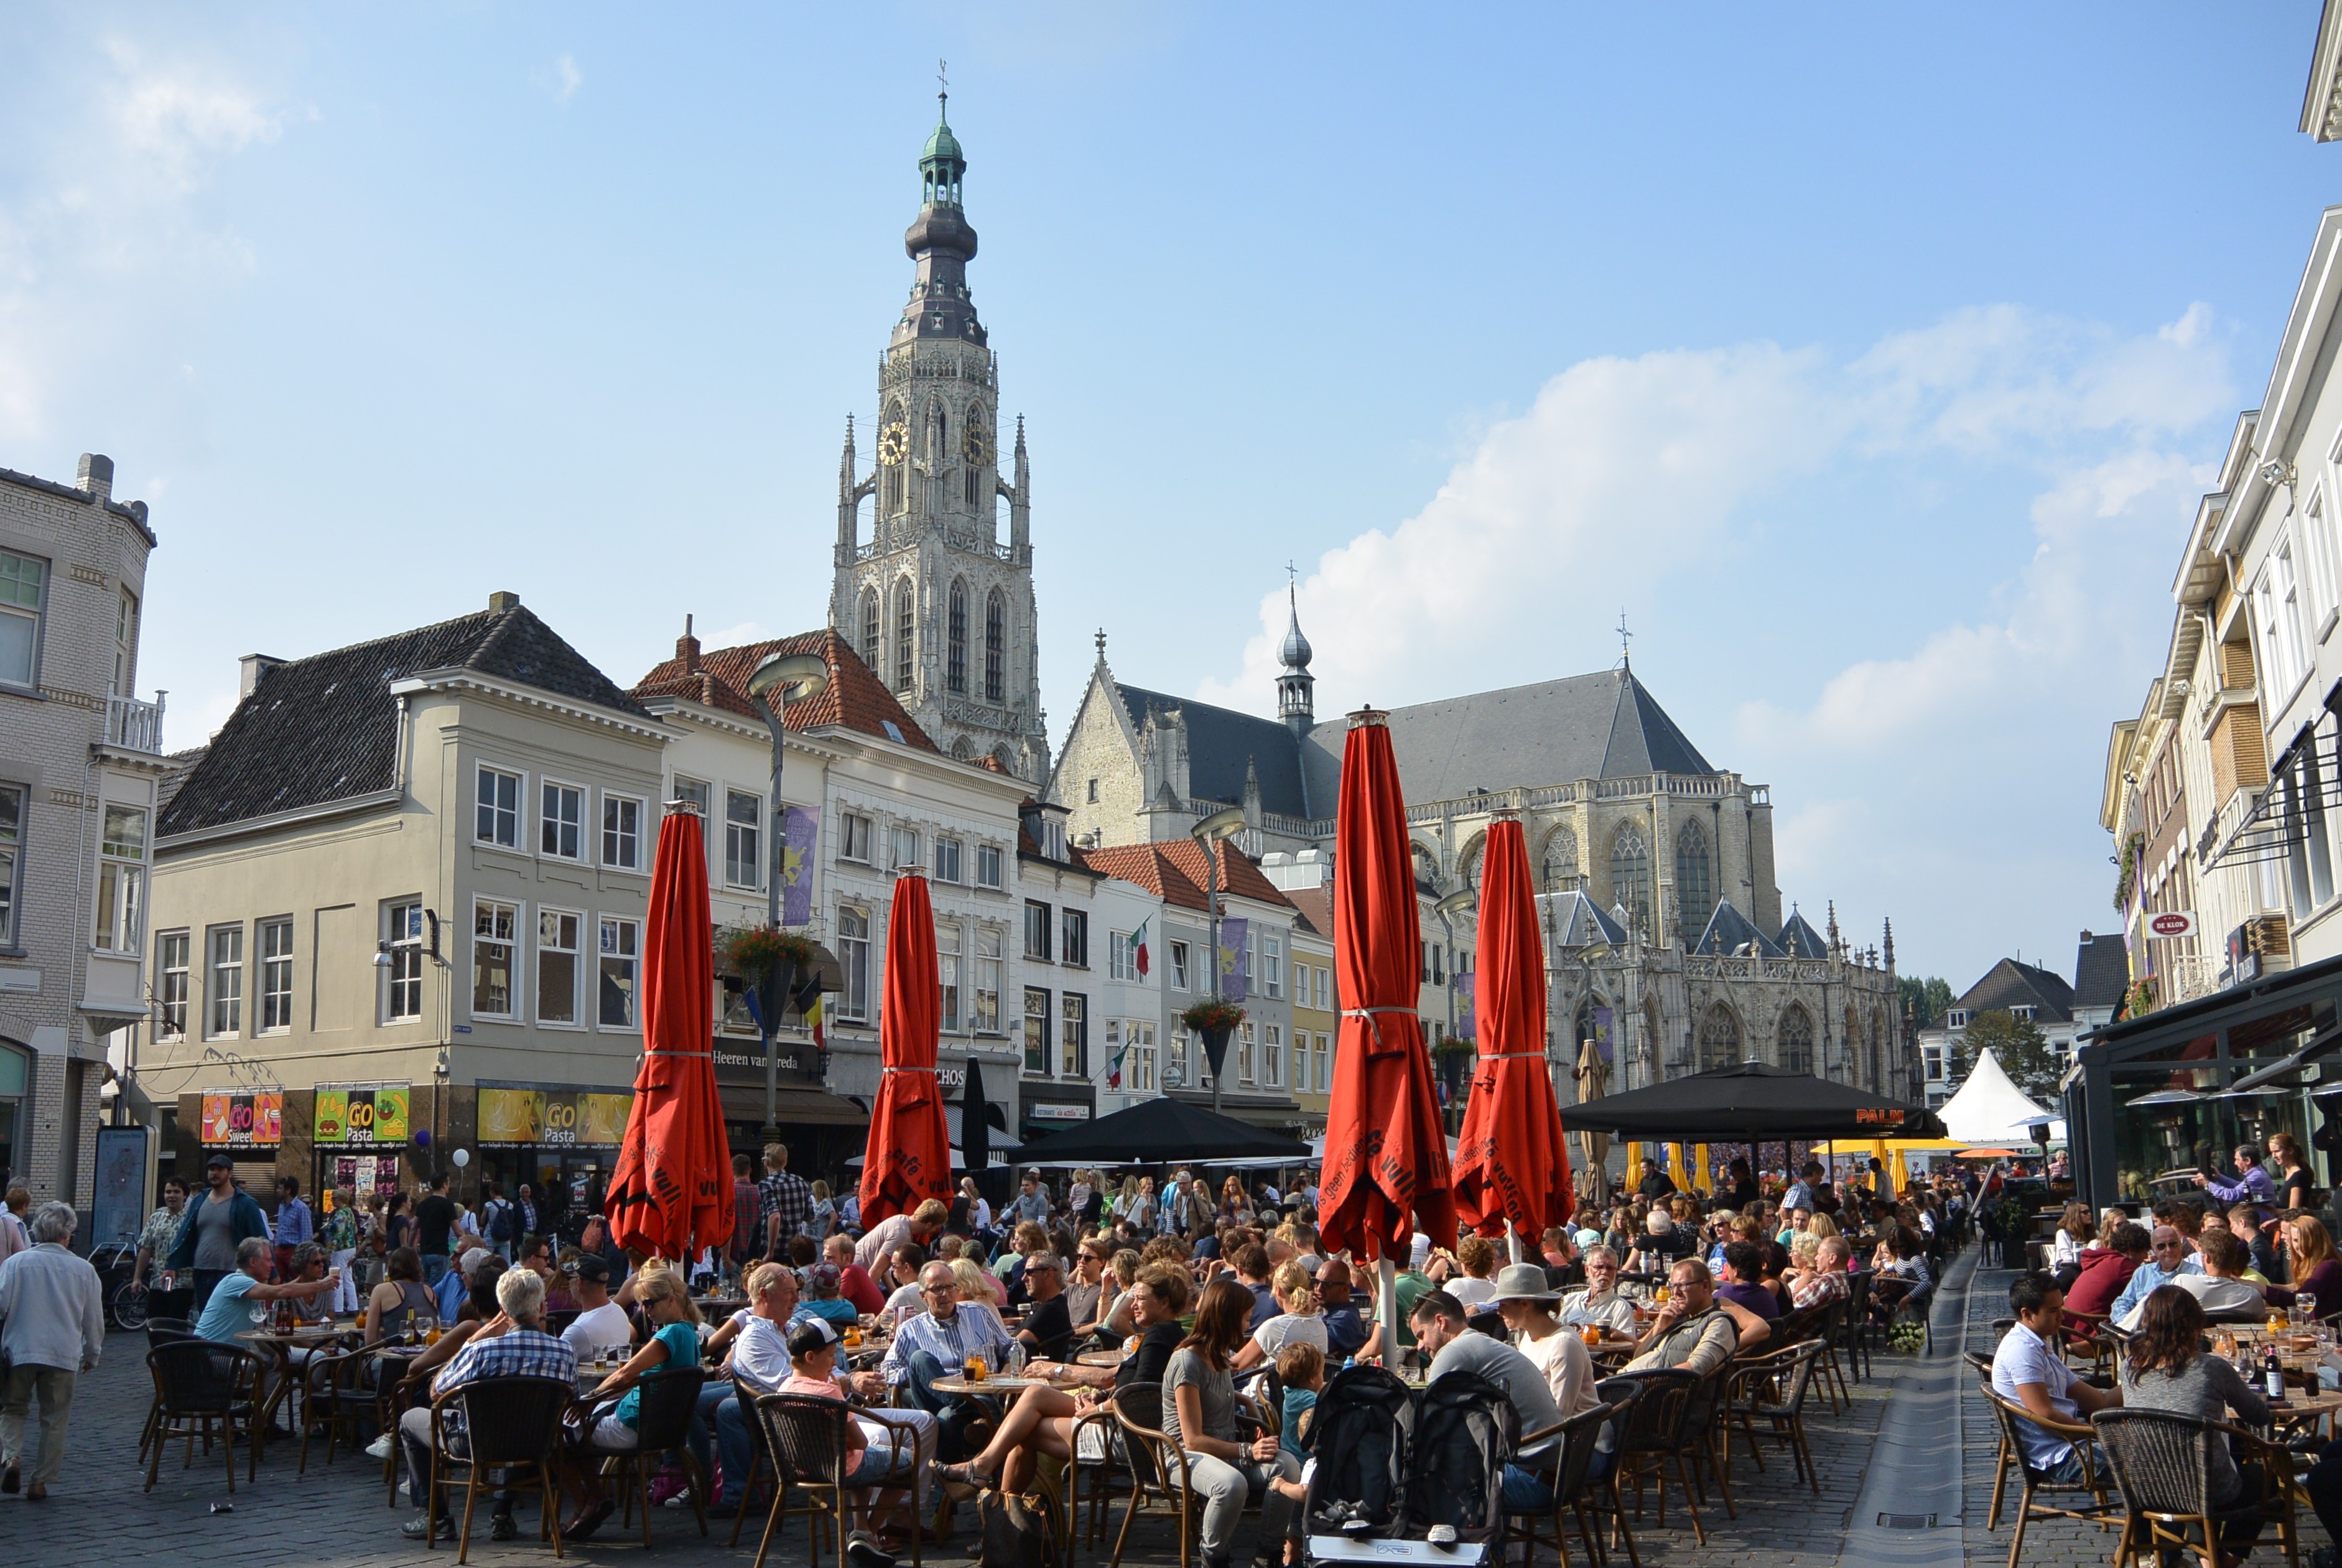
(229, 1311)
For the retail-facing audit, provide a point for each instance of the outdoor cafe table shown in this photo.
(278, 1346)
(1108, 1359)
(999, 1386)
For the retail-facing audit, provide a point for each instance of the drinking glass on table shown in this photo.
(2305, 1303)
(975, 1366)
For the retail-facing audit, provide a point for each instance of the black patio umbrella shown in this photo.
(1161, 1133)
(975, 1135)
(1751, 1102)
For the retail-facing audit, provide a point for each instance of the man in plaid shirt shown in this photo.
(513, 1343)
(787, 1202)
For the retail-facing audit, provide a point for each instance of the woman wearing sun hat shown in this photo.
(1526, 1302)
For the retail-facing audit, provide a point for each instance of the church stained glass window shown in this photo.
(955, 661)
(1695, 882)
(1559, 871)
(996, 648)
(870, 629)
(1796, 1040)
(905, 625)
(1719, 1038)
(1630, 873)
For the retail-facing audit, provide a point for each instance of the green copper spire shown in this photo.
(941, 163)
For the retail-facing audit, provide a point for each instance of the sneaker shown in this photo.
(422, 1527)
(380, 1447)
(502, 1527)
(1441, 1535)
(863, 1551)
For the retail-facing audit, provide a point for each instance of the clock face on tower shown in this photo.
(975, 446)
(892, 442)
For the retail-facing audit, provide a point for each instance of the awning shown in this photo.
(793, 1107)
(2304, 773)
(2300, 1059)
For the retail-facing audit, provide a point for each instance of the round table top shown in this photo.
(999, 1383)
(1109, 1359)
(308, 1334)
(2301, 1405)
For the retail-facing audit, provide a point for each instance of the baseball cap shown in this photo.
(219, 1162)
(810, 1334)
(590, 1267)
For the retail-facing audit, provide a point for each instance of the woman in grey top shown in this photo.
(2166, 1369)
(1199, 1416)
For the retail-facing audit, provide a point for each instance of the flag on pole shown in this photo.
(1139, 948)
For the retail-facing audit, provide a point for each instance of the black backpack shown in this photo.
(1359, 1435)
(500, 1221)
(1465, 1432)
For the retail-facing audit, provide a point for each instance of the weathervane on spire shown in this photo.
(943, 80)
(1626, 652)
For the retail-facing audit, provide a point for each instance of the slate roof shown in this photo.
(1799, 939)
(2101, 970)
(1729, 930)
(1576, 920)
(1221, 742)
(1602, 725)
(855, 698)
(2009, 984)
(325, 728)
(1176, 871)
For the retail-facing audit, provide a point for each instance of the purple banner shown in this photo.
(1467, 996)
(1603, 1023)
(802, 833)
(1235, 962)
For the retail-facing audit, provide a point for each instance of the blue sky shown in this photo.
(1870, 362)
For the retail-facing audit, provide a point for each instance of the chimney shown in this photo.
(96, 478)
(686, 647)
(499, 603)
(252, 667)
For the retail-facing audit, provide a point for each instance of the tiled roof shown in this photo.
(2009, 984)
(1176, 871)
(325, 728)
(1799, 939)
(855, 698)
(2101, 970)
(1314, 905)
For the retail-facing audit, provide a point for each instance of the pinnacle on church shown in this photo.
(1294, 655)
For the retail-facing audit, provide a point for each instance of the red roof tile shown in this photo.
(1176, 871)
(1316, 905)
(855, 698)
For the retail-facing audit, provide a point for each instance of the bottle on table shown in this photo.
(2272, 1374)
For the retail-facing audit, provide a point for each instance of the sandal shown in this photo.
(963, 1476)
(588, 1521)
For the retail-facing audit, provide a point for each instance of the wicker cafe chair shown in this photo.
(662, 1425)
(2084, 1336)
(334, 1395)
(1093, 1444)
(1574, 1490)
(1158, 1467)
(1773, 1388)
(760, 1459)
(509, 1424)
(2013, 1418)
(807, 1436)
(1651, 1436)
(2162, 1464)
(201, 1389)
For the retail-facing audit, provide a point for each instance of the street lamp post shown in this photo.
(778, 681)
(1219, 826)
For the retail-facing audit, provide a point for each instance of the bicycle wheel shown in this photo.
(129, 1307)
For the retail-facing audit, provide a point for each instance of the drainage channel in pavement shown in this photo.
(1909, 1513)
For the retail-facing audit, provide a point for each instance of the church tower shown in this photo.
(936, 601)
(1296, 686)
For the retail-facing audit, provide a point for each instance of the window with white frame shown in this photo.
(1036, 930)
(744, 817)
(171, 985)
(1037, 1032)
(561, 818)
(948, 859)
(494, 926)
(556, 966)
(1272, 958)
(2275, 602)
(696, 794)
(622, 832)
(988, 981)
(987, 865)
(224, 981)
(1138, 1075)
(947, 972)
(497, 818)
(1074, 930)
(1178, 966)
(1244, 1052)
(276, 974)
(403, 929)
(618, 980)
(1174, 1062)
(126, 643)
(1121, 958)
(1325, 989)
(905, 841)
(854, 837)
(24, 600)
(2318, 538)
(1324, 1076)
(12, 855)
(1272, 1055)
(1073, 1036)
(852, 961)
(121, 879)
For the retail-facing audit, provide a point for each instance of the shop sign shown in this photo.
(1057, 1112)
(360, 1114)
(2172, 923)
(251, 1120)
(580, 1118)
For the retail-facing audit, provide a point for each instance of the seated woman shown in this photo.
(1298, 1323)
(1199, 1416)
(2166, 1368)
(401, 1300)
(1043, 1418)
(673, 1347)
(980, 1287)
(1113, 1308)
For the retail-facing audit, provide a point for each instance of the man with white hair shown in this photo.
(513, 1343)
(51, 1327)
(227, 1313)
(1599, 1303)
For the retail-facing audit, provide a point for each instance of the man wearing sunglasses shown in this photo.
(2167, 1258)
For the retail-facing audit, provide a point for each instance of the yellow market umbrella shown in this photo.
(1702, 1174)
(1634, 1166)
(1895, 1172)
(1679, 1167)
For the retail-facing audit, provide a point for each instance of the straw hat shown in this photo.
(1523, 1283)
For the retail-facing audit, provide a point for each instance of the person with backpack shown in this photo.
(503, 1221)
(1441, 1329)
(1199, 1414)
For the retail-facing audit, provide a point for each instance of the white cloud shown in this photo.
(178, 118)
(565, 79)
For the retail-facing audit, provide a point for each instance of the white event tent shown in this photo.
(1991, 1111)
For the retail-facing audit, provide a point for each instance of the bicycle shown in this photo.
(116, 1264)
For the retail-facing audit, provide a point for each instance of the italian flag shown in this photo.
(1139, 948)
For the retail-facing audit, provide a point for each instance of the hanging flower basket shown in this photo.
(1212, 1014)
(753, 951)
(1457, 1046)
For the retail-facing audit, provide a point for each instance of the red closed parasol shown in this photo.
(1512, 1167)
(908, 1159)
(672, 1191)
(1385, 1154)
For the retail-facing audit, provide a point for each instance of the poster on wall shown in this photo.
(376, 1174)
(366, 1114)
(512, 1115)
(244, 1121)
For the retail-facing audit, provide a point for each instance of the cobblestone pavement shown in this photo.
(336, 1515)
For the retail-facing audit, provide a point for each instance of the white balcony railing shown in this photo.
(134, 726)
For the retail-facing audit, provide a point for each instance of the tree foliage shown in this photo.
(1929, 999)
(2018, 1045)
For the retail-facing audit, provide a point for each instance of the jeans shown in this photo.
(1224, 1487)
(55, 1384)
(345, 1297)
(434, 1269)
(953, 1415)
(1526, 1491)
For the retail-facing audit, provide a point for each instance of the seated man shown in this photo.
(601, 1324)
(1441, 1331)
(1825, 1281)
(1048, 1328)
(2216, 1286)
(936, 1344)
(2167, 1258)
(513, 1343)
(2106, 1270)
(1599, 1303)
(229, 1313)
(1696, 1330)
(2026, 1370)
(1744, 1280)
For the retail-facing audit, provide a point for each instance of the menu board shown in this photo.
(580, 1118)
(363, 1116)
(242, 1121)
(367, 1173)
